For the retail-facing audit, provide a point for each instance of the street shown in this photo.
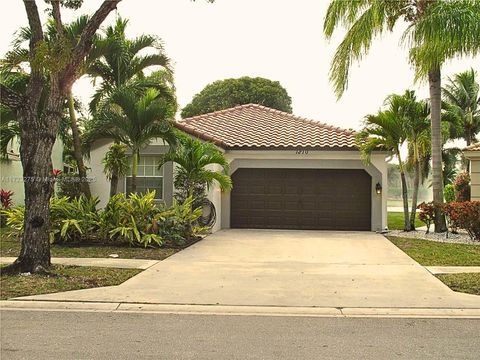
(104, 335)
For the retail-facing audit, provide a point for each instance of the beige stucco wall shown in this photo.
(474, 157)
(314, 159)
(11, 171)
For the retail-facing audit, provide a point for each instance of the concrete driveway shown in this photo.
(284, 268)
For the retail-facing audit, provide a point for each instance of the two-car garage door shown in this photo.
(323, 199)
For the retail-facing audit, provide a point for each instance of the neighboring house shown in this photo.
(288, 172)
(473, 154)
(11, 170)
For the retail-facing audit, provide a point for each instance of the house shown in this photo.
(473, 154)
(11, 169)
(288, 172)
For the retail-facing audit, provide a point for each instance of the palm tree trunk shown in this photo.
(404, 193)
(113, 184)
(77, 148)
(434, 79)
(135, 155)
(468, 141)
(416, 184)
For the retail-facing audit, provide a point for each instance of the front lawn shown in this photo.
(9, 247)
(466, 283)
(395, 221)
(62, 278)
(433, 253)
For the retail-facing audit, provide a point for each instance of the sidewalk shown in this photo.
(98, 262)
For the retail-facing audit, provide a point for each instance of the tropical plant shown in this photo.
(177, 223)
(437, 31)
(39, 125)
(122, 64)
(195, 173)
(115, 165)
(461, 186)
(134, 119)
(386, 130)
(465, 215)
(461, 104)
(416, 124)
(224, 94)
(449, 193)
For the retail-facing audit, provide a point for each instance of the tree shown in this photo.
(224, 94)
(386, 130)
(121, 63)
(195, 174)
(134, 119)
(38, 129)
(437, 31)
(19, 56)
(461, 98)
(416, 125)
(115, 165)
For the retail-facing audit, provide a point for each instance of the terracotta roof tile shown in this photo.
(256, 126)
(473, 147)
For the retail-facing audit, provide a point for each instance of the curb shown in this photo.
(187, 309)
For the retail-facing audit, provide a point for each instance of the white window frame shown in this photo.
(149, 176)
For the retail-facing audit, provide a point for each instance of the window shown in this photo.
(149, 176)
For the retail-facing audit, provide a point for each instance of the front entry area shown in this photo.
(309, 199)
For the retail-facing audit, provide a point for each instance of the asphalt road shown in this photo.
(87, 335)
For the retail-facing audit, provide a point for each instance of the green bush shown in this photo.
(134, 220)
(449, 193)
(68, 185)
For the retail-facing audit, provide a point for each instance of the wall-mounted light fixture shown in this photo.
(378, 188)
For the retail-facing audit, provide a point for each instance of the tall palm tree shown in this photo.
(122, 64)
(194, 176)
(115, 165)
(437, 31)
(386, 130)
(461, 102)
(134, 119)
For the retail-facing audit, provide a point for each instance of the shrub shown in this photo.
(461, 185)
(134, 220)
(427, 213)
(465, 215)
(69, 185)
(6, 203)
(449, 193)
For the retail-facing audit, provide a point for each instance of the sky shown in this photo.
(280, 40)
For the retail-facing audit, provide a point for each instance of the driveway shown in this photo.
(284, 268)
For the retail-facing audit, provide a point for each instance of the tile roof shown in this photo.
(473, 147)
(257, 126)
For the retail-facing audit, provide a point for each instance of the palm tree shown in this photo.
(121, 63)
(416, 125)
(115, 165)
(134, 120)
(437, 31)
(194, 174)
(386, 131)
(461, 102)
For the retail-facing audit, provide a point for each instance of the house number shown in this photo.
(301, 151)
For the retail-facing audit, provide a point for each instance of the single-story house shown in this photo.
(288, 172)
(473, 154)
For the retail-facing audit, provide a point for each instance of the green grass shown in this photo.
(62, 278)
(433, 253)
(10, 247)
(466, 283)
(396, 221)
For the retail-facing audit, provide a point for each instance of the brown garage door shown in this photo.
(324, 199)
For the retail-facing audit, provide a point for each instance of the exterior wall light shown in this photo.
(378, 188)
